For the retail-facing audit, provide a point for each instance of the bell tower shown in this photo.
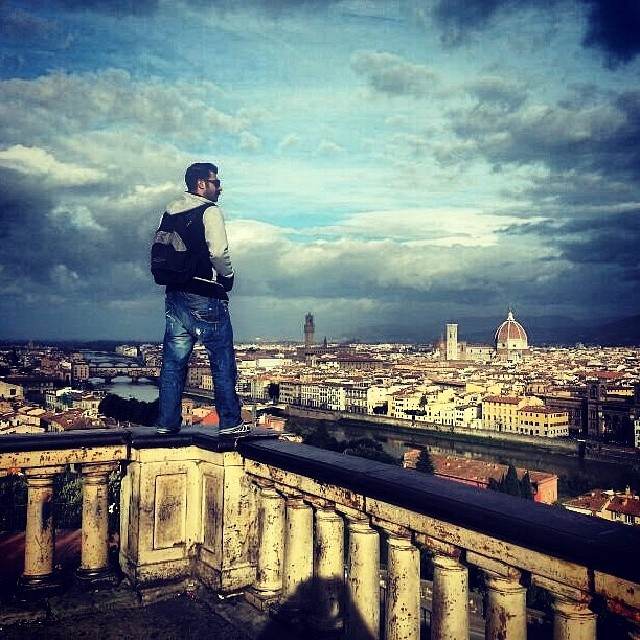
(452, 341)
(309, 332)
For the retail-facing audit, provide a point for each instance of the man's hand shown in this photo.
(226, 282)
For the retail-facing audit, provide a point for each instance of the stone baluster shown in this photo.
(267, 586)
(328, 592)
(38, 576)
(506, 607)
(94, 570)
(450, 600)
(298, 553)
(506, 599)
(402, 619)
(363, 582)
(572, 618)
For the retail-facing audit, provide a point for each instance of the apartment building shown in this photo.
(543, 421)
(355, 397)
(500, 413)
(10, 391)
(402, 403)
(290, 391)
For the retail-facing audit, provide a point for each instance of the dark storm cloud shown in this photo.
(497, 92)
(112, 7)
(48, 247)
(609, 241)
(613, 26)
(599, 138)
(28, 242)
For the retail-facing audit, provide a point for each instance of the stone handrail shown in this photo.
(300, 529)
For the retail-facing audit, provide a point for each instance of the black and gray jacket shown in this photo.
(206, 235)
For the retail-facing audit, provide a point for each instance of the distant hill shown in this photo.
(542, 330)
(625, 332)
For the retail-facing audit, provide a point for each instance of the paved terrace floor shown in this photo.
(117, 614)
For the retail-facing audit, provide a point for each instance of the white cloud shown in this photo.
(289, 141)
(66, 104)
(64, 277)
(329, 148)
(436, 226)
(78, 217)
(38, 163)
(391, 74)
(249, 142)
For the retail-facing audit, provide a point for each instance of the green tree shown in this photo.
(359, 447)
(13, 503)
(320, 438)
(129, 410)
(273, 391)
(67, 500)
(424, 463)
(369, 449)
(511, 483)
(526, 488)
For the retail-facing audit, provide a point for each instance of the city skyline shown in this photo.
(386, 165)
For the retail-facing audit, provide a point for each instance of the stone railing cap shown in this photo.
(592, 542)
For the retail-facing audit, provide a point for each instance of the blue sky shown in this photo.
(387, 166)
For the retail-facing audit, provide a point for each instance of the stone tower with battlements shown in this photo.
(309, 331)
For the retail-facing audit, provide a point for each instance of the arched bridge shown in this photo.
(135, 373)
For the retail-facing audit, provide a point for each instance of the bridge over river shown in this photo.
(135, 373)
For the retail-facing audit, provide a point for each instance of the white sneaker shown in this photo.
(238, 430)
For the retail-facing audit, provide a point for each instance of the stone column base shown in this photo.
(31, 587)
(105, 578)
(262, 600)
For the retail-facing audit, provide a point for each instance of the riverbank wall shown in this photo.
(408, 427)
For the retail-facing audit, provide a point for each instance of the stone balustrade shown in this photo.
(328, 539)
(41, 457)
(586, 565)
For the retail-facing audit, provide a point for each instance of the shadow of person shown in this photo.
(319, 608)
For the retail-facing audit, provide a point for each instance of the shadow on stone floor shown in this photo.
(119, 615)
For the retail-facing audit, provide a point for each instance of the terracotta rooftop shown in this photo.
(480, 470)
(539, 409)
(594, 501)
(628, 505)
(502, 399)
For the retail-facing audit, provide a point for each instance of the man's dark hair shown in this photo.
(198, 171)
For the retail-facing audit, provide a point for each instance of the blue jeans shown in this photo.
(190, 318)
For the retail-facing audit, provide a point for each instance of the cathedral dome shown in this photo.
(511, 335)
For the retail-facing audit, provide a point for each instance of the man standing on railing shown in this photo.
(190, 255)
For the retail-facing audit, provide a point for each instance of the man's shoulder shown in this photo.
(187, 202)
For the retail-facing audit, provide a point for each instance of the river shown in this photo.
(123, 386)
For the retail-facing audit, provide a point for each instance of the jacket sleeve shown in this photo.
(215, 234)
